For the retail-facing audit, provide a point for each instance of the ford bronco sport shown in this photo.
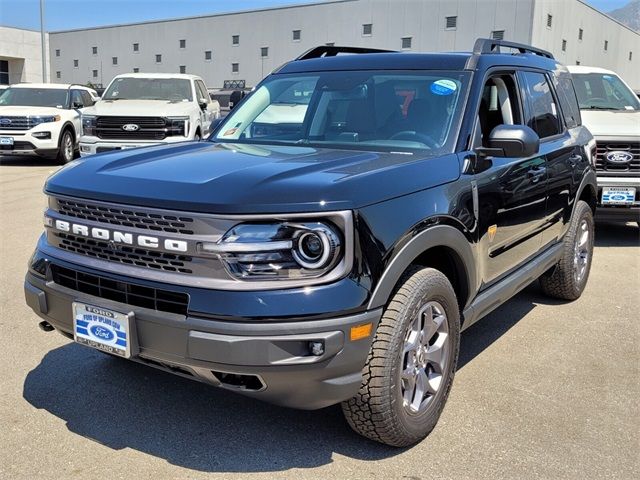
(335, 233)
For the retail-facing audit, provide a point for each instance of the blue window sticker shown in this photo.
(443, 87)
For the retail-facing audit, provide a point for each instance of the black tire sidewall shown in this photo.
(583, 212)
(62, 157)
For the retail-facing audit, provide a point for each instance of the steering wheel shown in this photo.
(598, 100)
(413, 136)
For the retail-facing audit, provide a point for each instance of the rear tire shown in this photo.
(411, 364)
(568, 278)
(66, 147)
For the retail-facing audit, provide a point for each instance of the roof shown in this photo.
(183, 76)
(415, 61)
(586, 69)
(50, 85)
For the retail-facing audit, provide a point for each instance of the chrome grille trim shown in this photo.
(603, 146)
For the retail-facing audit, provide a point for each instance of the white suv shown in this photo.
(42, 119)
(141, 109)
(611, 110)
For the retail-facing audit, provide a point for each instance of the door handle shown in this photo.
(535, 174)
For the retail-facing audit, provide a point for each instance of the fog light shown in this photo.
(316, 348)
(84, 148)
(41, 135)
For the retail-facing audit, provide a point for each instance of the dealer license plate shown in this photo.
(6, 140)
(618, 195)
(102, 328)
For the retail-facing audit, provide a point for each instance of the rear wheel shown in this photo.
(411, 364)
(568, 278)
(66, 147)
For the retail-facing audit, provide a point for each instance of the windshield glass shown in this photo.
(374, 110)
(131, 88)
(35, 97)
(598, 91)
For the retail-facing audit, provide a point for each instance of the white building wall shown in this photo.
(339, 22)
(568, 16)
(22, 49)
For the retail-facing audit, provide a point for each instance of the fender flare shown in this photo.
(589, 180)
(436, 236)
(69, 125)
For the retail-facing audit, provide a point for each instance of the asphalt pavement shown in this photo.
(544, 389)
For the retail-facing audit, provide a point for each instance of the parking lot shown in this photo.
(544, 389)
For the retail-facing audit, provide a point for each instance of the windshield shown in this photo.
(35, 97)
(131, 88)
(373, 110)
(598, 91)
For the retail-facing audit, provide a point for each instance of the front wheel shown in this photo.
(411, 364)
(66, 148)
(568, 278)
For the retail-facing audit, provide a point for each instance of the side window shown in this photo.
(499, 106)
(76, 99)
(86, 98)
(202, 91)
(567, 98)
(542, 114)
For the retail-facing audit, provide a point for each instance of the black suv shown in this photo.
(335, 233)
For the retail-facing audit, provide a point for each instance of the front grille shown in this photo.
(126, 217)
(123, 292)
(18, 145)
(167, 262)
(15, 123)
(604, 147)
(149, 128)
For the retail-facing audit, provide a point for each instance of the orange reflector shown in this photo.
(360, 331)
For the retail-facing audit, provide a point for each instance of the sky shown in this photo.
(68, 14)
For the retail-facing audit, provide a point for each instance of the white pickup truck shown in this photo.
(43, 119)
(141, 109)
(611, 110)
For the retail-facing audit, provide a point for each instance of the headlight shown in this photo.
(89, 125)
(281, 251)
(37, 120)
(178, 126)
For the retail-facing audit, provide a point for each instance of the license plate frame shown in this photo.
(104, 329)
(7, 141)
(618, 195)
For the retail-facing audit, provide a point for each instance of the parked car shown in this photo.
(43, 119)
(334, 235)
(611, 110)
(142, 109)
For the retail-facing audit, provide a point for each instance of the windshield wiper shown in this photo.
(596, 107)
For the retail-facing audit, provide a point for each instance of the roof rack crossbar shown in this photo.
(332, 51)
(489, 45)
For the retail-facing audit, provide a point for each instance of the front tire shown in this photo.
(66, 148)
(568, 278)
(411, 364)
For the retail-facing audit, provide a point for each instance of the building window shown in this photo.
(564, 45)
(497, 34)
(208, 55)
(264, 52)
(606, 45)
(114, 60)
(136, 47)
(136, 70)
(183, 69)
(630, 56)
(406, 42)
(451, 23)
(296, 35)
(94, 50)
(235, 40)
(158, 58)
(76, 63)
(57, 52)
(549, 20)
(235, 67)
(58, 75)
(95, 73)
(183, 43)
(4, 72)
(580, 33)
(367, 29)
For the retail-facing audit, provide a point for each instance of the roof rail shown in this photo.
(489, 45)
(332, 51)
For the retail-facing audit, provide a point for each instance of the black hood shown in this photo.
(235, 178)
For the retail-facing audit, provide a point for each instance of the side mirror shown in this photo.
(515, 141)
(203, 103)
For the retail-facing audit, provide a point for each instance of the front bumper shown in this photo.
(623, 213)
(270, 361)
(24, 143)
(93, 145)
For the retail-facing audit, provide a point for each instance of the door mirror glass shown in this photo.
(515, 141)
